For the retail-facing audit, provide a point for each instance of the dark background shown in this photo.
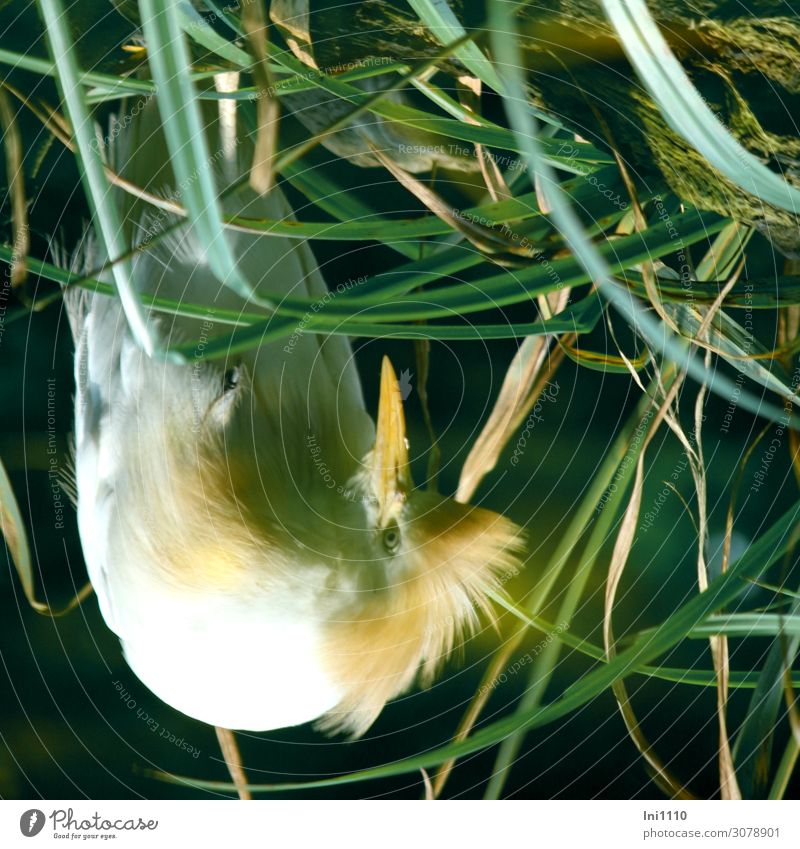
(66, 732)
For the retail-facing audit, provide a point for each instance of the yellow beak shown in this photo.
(391, 476)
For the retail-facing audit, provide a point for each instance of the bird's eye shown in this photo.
(231, 379)
(391, 539)
(222, 406)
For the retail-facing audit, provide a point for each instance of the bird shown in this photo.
(253, 534)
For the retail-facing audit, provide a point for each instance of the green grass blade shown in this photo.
(37, 65)
(183, 128)
(756, 293)
(342, 204)
(587, 160)
(724, 589)
(626, 448)
(438, 17)
(580, 318)
(725, 252)
(736, 346)
(225, 15)
(655, 333)
(505, 288)
(752, 751)
(685, 109)
(749, 625)
(379, 299)
(785, 769)
(105, 214)
(195, 26)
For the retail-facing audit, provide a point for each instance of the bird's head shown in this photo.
(436, 559)
(377, 580)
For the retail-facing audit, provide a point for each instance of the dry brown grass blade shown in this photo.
(789, 318)
(16, 538)
(469, 95)
(402, 80)
(542, 201)
(730, 236)
(639, 220)
(483, 238)
(43, 113)
(745, 459)
(791, 703)
(492, 176)
(699, 340)
(228, 132)
(794, 447)
(553, 302)
(584, 357)
(14, 533)
(640, 224)
(729, 786)
(426, 780)
(55, 613)
(634, 363)
(495, 244)
(523, 384)
(233, 760)
(50, 117)
(293, 20)
(12, 143)
(619, 558)
(475, 233)
(789, 693)
(61, 129)
(502, 249)
(58, 125)
(256, 30)
(527, 377)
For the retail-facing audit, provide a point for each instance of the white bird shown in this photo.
(254, 540)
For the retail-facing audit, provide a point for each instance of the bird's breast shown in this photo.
(229, 663)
